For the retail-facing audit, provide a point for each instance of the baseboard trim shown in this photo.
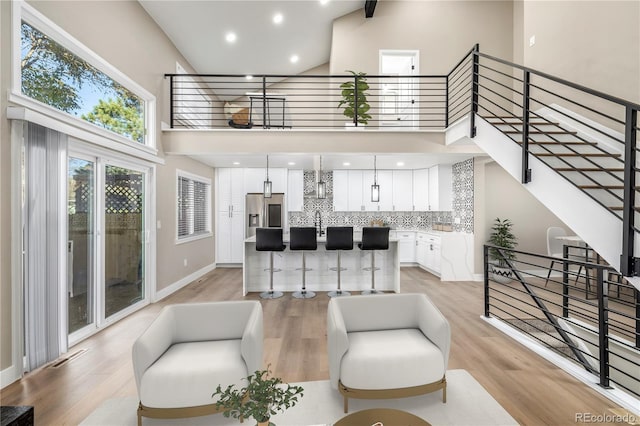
(478, 277)
(172, 288)
(617, 396)
(8, 376)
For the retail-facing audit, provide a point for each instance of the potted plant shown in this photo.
(348, 102)
(262, 397)
(502, 236)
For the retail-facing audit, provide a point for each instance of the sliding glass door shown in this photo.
(106, 243)
(81, 202)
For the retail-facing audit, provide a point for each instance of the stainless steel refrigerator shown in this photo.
(264, 212)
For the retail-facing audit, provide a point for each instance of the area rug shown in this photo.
(468, 404)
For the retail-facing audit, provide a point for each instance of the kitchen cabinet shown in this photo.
(440, 187)
(295, 191)
(428, 252)
(402, 190)
(254, 179)
(406, 245)
(347, 190)
(421, 190)
(230, 200)
(385, 180)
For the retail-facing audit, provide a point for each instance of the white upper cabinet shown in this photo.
(341, 190)
(295, 191)
(402, 190)
(421, 190)
(440, 187)
(254, 179)
(229, 189)
(355, 190)
(385, 180)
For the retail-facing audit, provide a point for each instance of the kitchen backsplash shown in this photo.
(462, 204)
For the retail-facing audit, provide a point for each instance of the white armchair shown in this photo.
(189, 350)
(387, 346)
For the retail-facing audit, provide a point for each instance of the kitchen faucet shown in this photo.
(318, 223)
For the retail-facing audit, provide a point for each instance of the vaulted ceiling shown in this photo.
(199, 30)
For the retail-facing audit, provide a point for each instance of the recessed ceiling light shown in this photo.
(249, 77)
(230, 37)
(346, 164)
(324, 2)
(294, 59)
(291, 163)
(277, 18)
(399, 164)
(235, 163)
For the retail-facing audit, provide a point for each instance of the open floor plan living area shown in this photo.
(319, 212)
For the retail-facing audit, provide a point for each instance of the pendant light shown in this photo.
(322, 185)
(267, 183)
(375, 188)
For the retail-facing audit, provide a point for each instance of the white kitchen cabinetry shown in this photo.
(428, 252)
(385, 180)
(295, 191)
(406, 245)
(440, 187)
(421, 190)
(354, 189)
(230, 199)
(341, 190)
(254, 179)
(402, 191)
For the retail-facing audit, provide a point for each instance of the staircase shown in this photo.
(581, 166)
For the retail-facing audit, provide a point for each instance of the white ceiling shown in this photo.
(198, 29)
(333, 161)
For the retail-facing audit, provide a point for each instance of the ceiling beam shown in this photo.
(369, 8)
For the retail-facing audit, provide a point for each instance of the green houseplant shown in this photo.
(262, 397)
(348, 102)
(502, 236)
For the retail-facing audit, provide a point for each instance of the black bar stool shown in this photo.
(270, 239)
(339, 238)
(374, 238)
(303, 238)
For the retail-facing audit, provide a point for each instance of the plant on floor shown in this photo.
(262, 397)
(349, 90)
(502, 236)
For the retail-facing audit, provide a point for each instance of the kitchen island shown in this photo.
(255, 277)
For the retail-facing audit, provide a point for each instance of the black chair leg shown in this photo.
(549, 274)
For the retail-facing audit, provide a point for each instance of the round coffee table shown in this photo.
(381, 417)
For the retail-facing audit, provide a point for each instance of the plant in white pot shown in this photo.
(262, 397)
(349, 89)
(502, 236)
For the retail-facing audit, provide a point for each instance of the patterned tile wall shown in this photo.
(462, 201)
(397, 220)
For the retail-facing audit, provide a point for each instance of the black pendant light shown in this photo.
(322, 185)
(267, 183)
(375, 188)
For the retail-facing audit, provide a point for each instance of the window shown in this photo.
(194, 206)
(59, 72)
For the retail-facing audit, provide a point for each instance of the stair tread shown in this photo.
(587, 169)
(572, 154)
(532, 142)
(541, 132)
(618, 208)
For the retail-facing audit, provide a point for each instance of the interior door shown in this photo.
(399, 93)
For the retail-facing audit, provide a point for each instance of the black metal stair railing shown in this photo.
(586, 136)
(581, 310)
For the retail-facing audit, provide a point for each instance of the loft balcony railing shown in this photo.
(588, 137)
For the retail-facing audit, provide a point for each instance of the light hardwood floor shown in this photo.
(531, 389)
